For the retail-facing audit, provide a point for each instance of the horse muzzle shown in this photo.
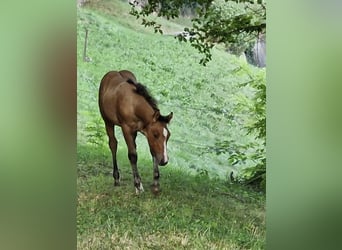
(163, 163)
(160, 161)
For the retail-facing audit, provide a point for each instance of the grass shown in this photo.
(202, 99)
(198, 208)
(192, 211)
(119, 12)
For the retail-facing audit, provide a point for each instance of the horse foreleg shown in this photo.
(133, 157)
(155, 185)
(113, 144)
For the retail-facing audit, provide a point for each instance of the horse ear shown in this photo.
(156, 116)
(169, 117)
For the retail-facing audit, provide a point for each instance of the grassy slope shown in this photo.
(200, 97)
(193, 210)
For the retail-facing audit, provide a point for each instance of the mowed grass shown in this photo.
(191, 212)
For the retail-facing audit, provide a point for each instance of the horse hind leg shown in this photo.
(113, 144)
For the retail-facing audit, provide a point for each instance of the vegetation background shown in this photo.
(212, 148)
(38, 125)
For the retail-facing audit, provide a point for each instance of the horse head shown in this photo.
(157, 135)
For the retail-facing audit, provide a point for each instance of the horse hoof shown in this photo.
(155, 189)
(116, 183)
(139, 189)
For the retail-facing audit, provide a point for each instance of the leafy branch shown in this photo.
(214, 22)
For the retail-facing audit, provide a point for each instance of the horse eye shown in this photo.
(156, 135)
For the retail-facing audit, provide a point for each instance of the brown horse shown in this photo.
(126, 103)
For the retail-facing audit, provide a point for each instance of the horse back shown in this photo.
(117, 100)
(128, 75)
(113, 78)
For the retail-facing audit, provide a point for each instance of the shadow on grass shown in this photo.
(208, 211)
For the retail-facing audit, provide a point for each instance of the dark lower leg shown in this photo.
(133, 158)
(116, 174)
(156, 176)
(113, 147)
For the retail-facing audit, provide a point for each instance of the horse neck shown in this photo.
(145, 112)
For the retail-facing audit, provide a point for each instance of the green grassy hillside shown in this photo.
(197, 207)
(202, 98)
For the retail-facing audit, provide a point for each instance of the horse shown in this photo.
(126, 103)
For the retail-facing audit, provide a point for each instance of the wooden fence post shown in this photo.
(85, 58)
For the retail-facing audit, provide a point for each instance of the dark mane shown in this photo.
(142, 90)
